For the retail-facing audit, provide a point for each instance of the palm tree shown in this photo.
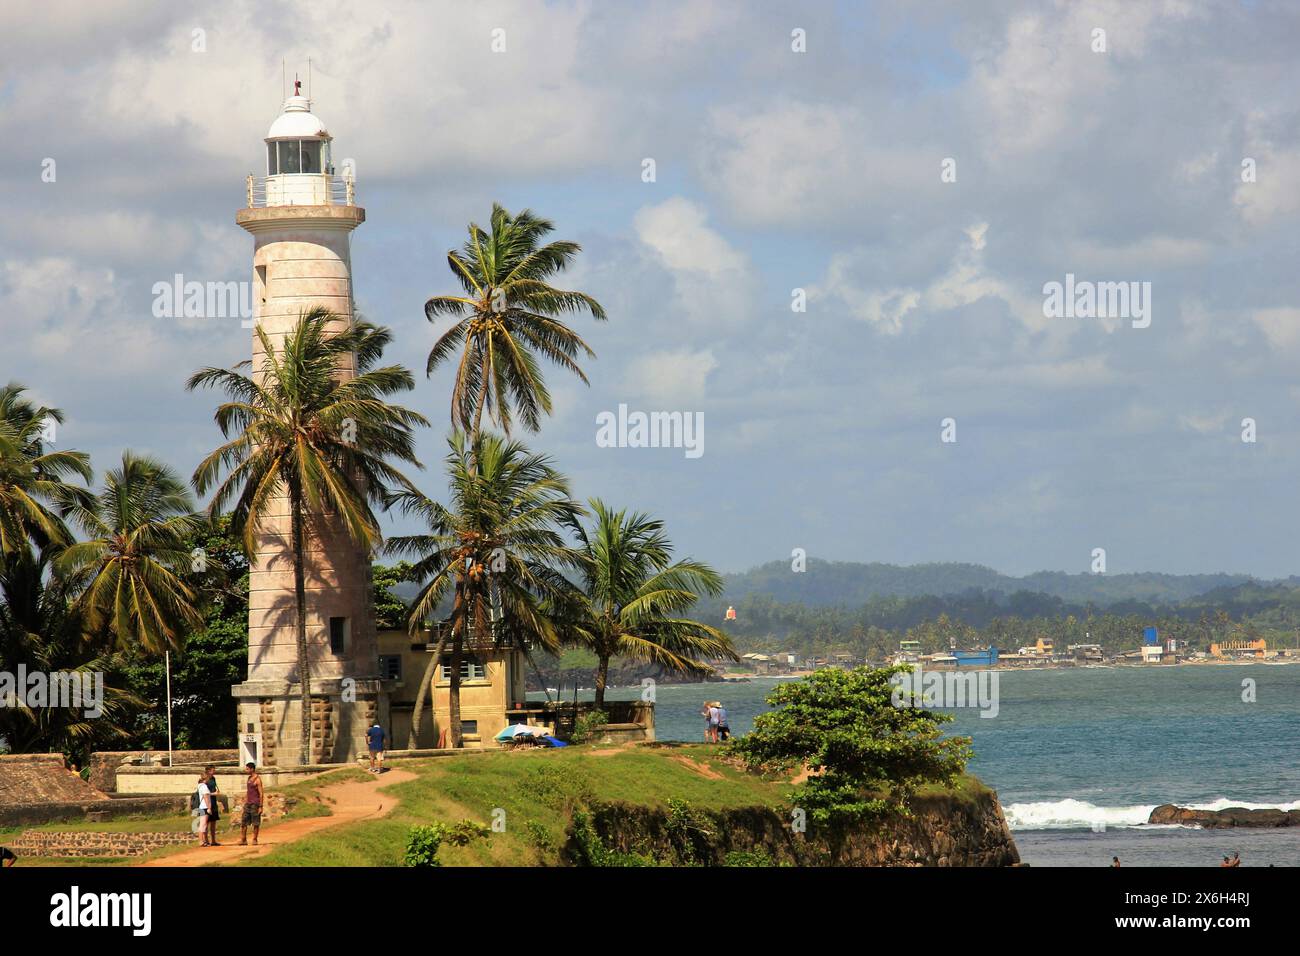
(34, 487)
(42, 624)
(506, 318)
(299, 430)
(497, 548)
(130, 571)
(633, 593)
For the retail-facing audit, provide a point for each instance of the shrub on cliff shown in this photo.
(864, 755)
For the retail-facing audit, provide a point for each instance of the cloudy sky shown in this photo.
(776, 170)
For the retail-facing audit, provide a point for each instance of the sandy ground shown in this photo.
(357, 800)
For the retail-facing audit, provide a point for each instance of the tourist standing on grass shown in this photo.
(375, 740)
(7, 856)
(724, 729)
(707, 713)
(203, 803)
(252, 805)
(714, 709)
(214, 813)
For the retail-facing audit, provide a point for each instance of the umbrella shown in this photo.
(516, 730)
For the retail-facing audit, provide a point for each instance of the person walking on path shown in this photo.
(375, 740)
(202, 801)
(253, 799)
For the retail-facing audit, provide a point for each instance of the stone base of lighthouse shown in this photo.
(270, 720)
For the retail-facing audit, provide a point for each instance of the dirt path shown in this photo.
(352, 801)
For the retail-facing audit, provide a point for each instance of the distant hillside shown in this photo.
(848, 584)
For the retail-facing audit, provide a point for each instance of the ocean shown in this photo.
(1080, 756)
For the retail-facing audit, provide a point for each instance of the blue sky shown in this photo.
(776, 170)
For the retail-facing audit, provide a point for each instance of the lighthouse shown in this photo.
(301, 215)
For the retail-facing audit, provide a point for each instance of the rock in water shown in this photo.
(1224, 819)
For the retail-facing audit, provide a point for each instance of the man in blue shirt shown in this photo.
(375, 740)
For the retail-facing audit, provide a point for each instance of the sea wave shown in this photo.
(1081, 815)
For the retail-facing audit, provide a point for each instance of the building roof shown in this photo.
(297, 122)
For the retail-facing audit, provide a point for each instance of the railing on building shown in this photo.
(323, 188)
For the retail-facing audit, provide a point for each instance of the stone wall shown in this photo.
(38, 814)
(42, 778)
(84, 844)
(105, 764)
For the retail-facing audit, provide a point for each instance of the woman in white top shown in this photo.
(204, 804)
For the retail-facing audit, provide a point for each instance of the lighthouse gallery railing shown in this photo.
(323, 189)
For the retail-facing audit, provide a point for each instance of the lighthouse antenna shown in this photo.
(309, 82)
(284, 82)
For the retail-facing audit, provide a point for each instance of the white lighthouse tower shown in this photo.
(301, 215)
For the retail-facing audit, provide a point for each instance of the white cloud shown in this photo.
(673, 380)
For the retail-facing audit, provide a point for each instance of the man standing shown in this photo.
(375, 740)
(253, 798)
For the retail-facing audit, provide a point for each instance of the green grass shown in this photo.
(535, 788)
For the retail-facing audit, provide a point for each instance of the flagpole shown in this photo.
(168, 656)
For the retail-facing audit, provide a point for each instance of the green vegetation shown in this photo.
(865, 756)
(422, 842)
(539, 791)
(499, 547)
(633, 595)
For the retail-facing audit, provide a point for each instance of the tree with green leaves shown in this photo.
(42, 625)
(508, 316)
(131, 568)
(634, 596)
(865, 756)
(215, 655)
(497, 547)
(301, 431)
(35, 488)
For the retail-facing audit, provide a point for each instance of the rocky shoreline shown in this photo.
(1226, 819)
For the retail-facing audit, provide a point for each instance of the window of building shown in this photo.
(471, 668)
(271, 166)
(390, 666)
(310, 156)
(289, 158)
(338, 635)
(469, 726)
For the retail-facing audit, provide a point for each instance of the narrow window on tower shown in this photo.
(271, 166)
(338, 635)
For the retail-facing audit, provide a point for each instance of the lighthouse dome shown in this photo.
(297, 122)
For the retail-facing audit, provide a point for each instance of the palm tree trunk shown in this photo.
(602, 675)
(300, 598)
(422, 695)
(457, 652)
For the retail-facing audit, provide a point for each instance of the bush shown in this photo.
(867, 756)
(423, 842)
(589, 726)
